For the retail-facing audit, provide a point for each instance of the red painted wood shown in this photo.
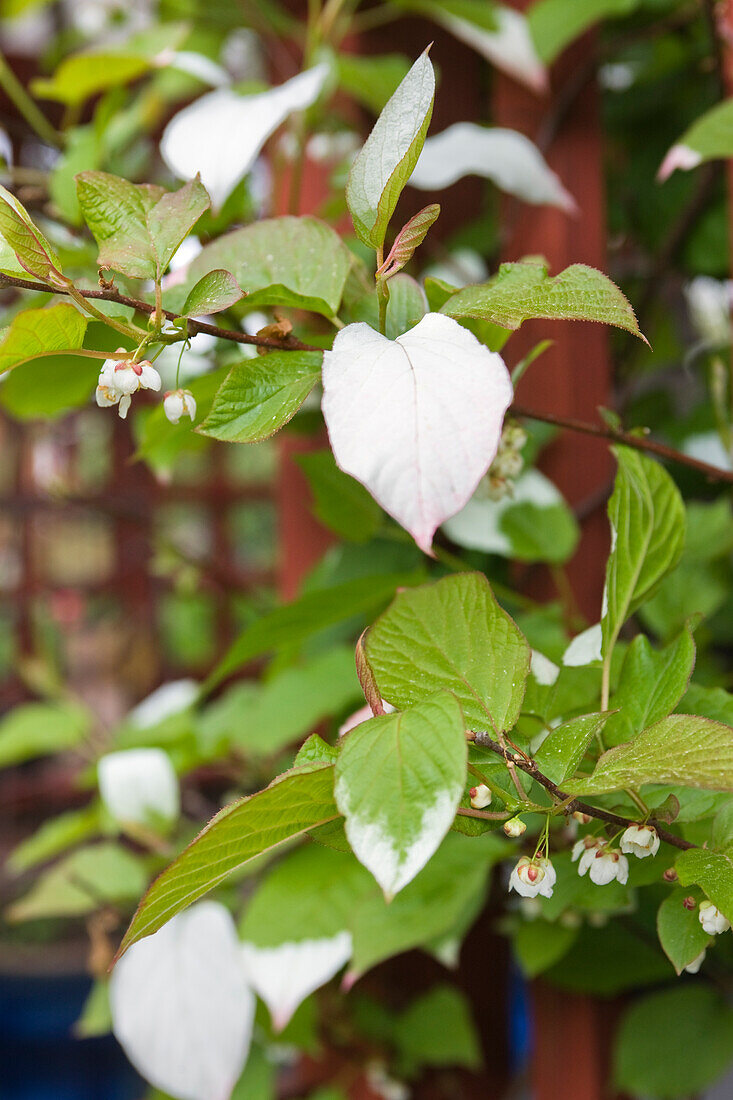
(571, 1040)
(574, 377)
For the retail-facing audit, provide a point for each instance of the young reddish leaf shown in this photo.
(409, 238)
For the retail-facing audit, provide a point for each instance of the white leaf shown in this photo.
(195, 64)
(416, 420)
(478, 525)
(584, 648)
(139, 786)
(181, 1007)
(221, 134)
(506, 157)
(543, 669)
(165, 701)
(284, 976)
(509, 47)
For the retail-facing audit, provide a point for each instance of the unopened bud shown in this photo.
(480, 796)
(670, 875)
(689, 903)
(584, 819)
(515, 827)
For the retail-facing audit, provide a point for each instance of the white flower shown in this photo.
(531, 877)
(694, 966)
(711, 919)
(605, 866)
(178, 403)
(139, 786)
(640, 840)
(480, 796)
(585, 850)
(514, 827)
(119, 379)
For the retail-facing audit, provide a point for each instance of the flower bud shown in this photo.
(640, 841)
(670, 875)
(178, 403)
(515, 827)
(689, 904)
(480, 796)
(711, 919)
(584, 819)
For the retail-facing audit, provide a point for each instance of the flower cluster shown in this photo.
(508, 462)
(120, 379)
(600, 861)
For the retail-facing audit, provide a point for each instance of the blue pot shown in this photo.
(40, 1059)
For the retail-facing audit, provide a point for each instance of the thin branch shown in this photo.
(288, 343)
(573, 804)
(615, 435)
(291, 343)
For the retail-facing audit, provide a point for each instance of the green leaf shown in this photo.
(540, 533)
(610, 960)
(37, 729)
(37, 332)
(651, 684)
(138, 227)
(521, 291)
(554, 24)
(212, 293)
(310, 894)
(259, 395)
(399, 779)
(663, 1023)
(680, 932)
(371, 81)
(96, 1015)
(298, 262)
(712, 872)
(384, 164)
(27, 249)
(85, 74)
(709, 138)
(53, 837)
(437, 1030)
(406, 305)
(430, 907)
(293, 623)
(561, 753)
(82, 882)
(682, 748)
(452, 635)
(261, 719)
(296, 801)
(538, 945)
(340, 503)
(160, 443)
(647, 520)
(316, 751)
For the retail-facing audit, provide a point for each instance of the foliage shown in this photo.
(596, 757)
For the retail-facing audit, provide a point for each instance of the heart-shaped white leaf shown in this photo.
(181, 1007)
(284, 976)
(220, 135)
(417, 420)
(506, 157)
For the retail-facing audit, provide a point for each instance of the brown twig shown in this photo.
(572, 804)
(291, 343)
(616, 435)
(110, 294)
